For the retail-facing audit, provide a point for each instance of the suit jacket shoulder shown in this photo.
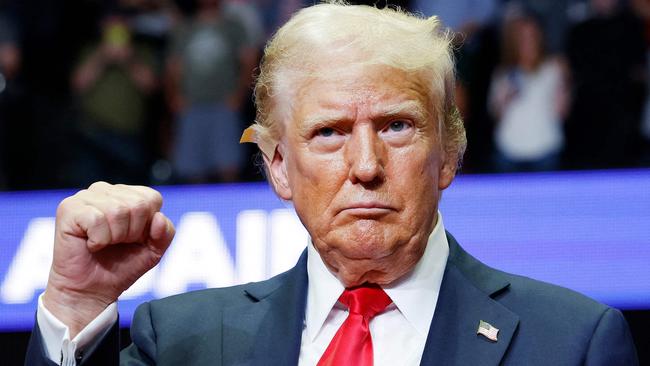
(258, 323)
(539, 323)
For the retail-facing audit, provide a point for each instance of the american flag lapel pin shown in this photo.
(487, 330)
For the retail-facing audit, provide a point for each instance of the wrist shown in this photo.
(74, 310)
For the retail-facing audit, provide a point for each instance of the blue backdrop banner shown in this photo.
(589, 231)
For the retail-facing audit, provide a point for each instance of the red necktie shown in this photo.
(352, 344)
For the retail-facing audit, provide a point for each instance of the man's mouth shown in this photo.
(367, 209)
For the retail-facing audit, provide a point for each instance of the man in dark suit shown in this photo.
(358, 129)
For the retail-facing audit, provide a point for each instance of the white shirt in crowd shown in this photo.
(530, 127)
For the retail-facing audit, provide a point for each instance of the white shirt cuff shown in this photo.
(56, 335)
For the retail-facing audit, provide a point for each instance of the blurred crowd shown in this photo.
(158, 91)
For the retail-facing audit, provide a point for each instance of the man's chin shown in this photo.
(370, 275)
(365, 229)
(363, 245)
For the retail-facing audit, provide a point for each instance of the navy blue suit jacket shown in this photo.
(261, 324)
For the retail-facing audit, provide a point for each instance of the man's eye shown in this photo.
(327, 139)
(326, 132)
(397, 126)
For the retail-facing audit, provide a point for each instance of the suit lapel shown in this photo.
(267, 329)
(466, 297)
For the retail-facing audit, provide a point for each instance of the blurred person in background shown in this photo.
(528, 98)
(208, 74)
(275, 13)
(477, 54)
(642, 8)
(607, 57)
(151, 23)
(10, 90)
(113, 80)
(464, 16)
(249, 15)
(553, 18)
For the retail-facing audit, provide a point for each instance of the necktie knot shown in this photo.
(352, 343)
(366, 300)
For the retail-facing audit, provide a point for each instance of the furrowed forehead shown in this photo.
(377, 93)
(327, 114)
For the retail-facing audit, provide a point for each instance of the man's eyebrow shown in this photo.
(324, 118)
(411, 108)
(316, 121)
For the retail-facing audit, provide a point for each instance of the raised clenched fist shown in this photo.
(106, 237)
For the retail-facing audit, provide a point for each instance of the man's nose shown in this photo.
(365, 155)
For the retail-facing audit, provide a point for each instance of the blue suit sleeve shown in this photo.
(611, 343)
(36, 350)
(143, 349)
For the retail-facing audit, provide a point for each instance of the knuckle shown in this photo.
(122, 188)
(84, 194)
(152, 196)
(156, 198)
(140, 208)
(99, 186)
(118, 213)
(141, 204)
(65, 205)
(97, 219)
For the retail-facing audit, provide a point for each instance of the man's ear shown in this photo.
(277, 170)
(447, 173)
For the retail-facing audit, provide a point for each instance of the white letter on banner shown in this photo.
(288, 239)
(30, 268)
(198, 255)
(251, 246)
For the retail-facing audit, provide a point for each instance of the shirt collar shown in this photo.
(415, 295)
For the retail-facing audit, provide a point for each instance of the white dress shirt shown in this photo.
(56, 336)
(398, 334)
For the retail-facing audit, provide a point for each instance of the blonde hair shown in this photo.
(372, 36)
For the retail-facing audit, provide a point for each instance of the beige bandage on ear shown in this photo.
(267, 148)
